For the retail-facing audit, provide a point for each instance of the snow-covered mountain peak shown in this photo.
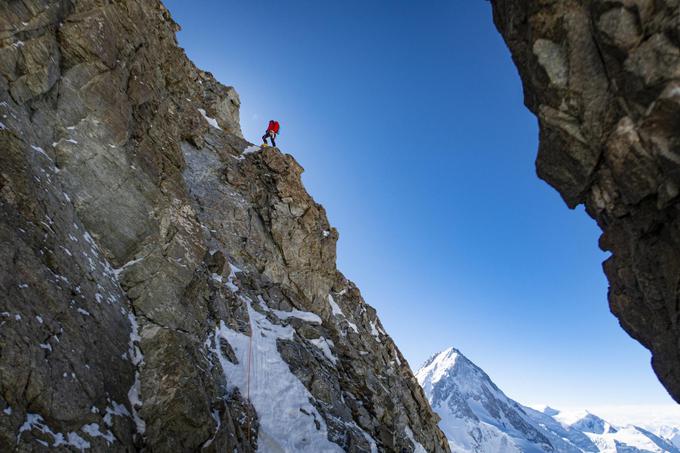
(478, 417)
(442, 360)
(585, 422)
(473, 408)
(438, 367)
(547, 410)
(450, 368)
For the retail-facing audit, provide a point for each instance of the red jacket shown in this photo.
(273, 126)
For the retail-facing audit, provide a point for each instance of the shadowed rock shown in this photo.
(603, 78)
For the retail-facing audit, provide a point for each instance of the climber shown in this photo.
(272, 132)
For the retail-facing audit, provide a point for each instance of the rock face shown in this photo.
(166, 286)
(603, 78)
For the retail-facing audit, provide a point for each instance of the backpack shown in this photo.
(273, 126)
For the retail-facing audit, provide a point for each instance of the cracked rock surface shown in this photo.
(165, 285)
(603, 78)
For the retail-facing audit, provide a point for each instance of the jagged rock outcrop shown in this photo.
(603, 78)
(166, 286)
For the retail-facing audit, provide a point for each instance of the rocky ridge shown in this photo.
(167, 286)
(603, 78)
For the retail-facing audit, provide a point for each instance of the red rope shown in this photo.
(250, 357)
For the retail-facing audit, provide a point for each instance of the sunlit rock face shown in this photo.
(603, 78)
(165, 285)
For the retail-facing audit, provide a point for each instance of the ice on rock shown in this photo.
(337, 311)
(92, 429)
(288, 421)
(211, 121)
(233, 269)
(325, 346)
(335, 308)
(417, 447)
(304, 315)
(36, 422)
(249, 150)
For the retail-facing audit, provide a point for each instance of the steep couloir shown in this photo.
(166, 286)
(603, 78)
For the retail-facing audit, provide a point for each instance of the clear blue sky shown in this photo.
(409, 121)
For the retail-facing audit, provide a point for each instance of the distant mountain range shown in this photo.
(478, 417)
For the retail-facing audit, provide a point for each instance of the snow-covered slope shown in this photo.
(583, 421)
(477, 416)
(669, 433)
(606, 437)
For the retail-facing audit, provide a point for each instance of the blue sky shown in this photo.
(409, 121)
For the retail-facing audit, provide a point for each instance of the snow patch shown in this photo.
(304, 315)
(114, 409)
(92, 429)
(417, 447)
(233, 269)
(251, 149)
(337, 311)
(211, 121)
(218, 423)
(288, 421)
(118, 271)
(39, 150)
(371, 441)
(35, 421)
(335, 308)
(325, 346)
(675, 91)
(375, 332)
(137, 359)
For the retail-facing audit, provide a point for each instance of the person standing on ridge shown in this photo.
(272, 132)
